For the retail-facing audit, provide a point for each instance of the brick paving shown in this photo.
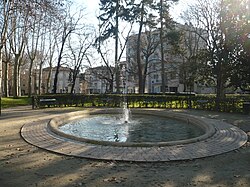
(226, 138)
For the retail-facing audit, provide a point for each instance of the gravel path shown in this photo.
(22, 164)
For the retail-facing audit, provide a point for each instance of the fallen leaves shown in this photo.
(115, 179)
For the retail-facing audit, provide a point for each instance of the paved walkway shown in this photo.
(226, 138)
(22, 164)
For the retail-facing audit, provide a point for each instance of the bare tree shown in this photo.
(78, 53)
(105, 58)
(112, 12)
(148, 47)
(69, 26)
(138, 47)
(190, 51)
(52, 42)
(33, 41)
(18, 38)
(5, 8)
(105, 53)
(207, 16)
(7, 64)
(51, 25)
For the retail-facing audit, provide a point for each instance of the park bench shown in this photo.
(47, 102)
(202, 103)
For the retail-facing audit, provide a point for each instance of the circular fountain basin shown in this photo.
(138, 129)
(147, 128)
(219, 137)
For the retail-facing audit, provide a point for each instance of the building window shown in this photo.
(172, 75)
(173, 89)
(156, 76)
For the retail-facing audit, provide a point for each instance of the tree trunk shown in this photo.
(219, 86)
(117, 68)
(1, 73)
(138, 53)
(30, 78)
(59, 60)
(19, 94)
(35, 82)
(15, 76)
(145, 74)
(73, 81)
(58, 67)
(111, 85)
(162, 50)
(6, 78)
(48, 80)
(40, 78)
(1, 63)
(56, 77)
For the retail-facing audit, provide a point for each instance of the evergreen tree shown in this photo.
(113, 11)
(236, 28)
(163, 8)
(144, 18)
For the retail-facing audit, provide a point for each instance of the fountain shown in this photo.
(105, 128)
(126, 110)
(125, 143)
(149, 135)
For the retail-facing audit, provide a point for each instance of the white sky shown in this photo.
(92, 7)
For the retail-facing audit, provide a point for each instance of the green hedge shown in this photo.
(232, 103)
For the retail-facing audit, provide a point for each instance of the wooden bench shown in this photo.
(202, 103)
(48, 102)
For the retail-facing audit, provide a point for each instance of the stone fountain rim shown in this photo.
(54, 124)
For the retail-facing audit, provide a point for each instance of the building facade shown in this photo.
(177, 77)
(98, 80)
(64, 82)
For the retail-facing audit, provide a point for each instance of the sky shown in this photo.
(92, 7)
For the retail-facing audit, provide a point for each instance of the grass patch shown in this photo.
(8, 102)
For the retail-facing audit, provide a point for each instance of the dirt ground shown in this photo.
(22, 164)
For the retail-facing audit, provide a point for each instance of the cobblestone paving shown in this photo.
(226, 138)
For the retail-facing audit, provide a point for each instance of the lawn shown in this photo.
(8, 102)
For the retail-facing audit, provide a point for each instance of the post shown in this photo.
(0, 106)
(33, 102)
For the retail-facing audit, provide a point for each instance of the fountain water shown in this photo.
(126, 111)
(144, 127)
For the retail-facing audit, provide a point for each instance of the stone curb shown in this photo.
(225, 138)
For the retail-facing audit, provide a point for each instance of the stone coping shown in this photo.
(225, 138)
(56, 122)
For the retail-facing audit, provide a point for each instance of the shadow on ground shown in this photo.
(22, 164)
